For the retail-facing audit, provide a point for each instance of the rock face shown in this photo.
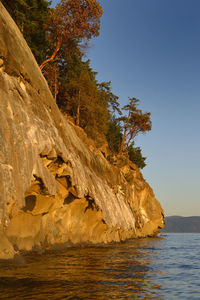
(54, 190)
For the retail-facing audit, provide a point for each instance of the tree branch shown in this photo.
(52, 58)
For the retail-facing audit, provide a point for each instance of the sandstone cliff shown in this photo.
(54, 190)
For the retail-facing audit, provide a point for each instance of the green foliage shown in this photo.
(135, 122)
(129, 177)
(135, 155)
(31, 16)
(79, 94)
(114, 135)
(108, 97)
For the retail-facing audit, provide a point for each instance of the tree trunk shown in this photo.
(123, 142)
(22, 28)
(125, 135)
(132, 136)
(52, 58)
(78, 109)
(55, 86)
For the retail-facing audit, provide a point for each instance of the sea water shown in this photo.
(151, 268)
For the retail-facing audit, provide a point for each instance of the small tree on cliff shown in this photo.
(135, 155)
(110, 99)
(72, 19)
(114, 135)
(135, 122)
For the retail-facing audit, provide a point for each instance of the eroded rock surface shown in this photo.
(54, 190)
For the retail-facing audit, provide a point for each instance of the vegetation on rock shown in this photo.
(133, 123)
(31, 17)
(58, 38)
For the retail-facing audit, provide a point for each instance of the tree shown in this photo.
(81, 92)
(108, 97)
(135, 122)
(81, 96)
(85, 104)
(52, 76)
(72, 19)
(31, 16)
(135, 155)
(114, 135)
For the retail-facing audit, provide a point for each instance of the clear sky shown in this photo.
(150, 49)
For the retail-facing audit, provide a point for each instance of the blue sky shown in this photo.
(150, 49)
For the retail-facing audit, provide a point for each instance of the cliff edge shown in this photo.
(54, 190)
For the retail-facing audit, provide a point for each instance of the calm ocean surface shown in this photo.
(161, 268)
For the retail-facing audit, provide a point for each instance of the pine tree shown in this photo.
(135, 155)
(108, 97)
(114, 135)
(31, 16)
(134, 123)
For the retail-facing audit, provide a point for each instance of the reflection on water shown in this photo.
(167, 268)
(118, 271)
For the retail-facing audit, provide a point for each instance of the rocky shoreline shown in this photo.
(54, 189)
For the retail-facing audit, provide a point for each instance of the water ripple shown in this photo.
(165, 268)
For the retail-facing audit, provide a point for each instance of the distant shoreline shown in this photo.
(182, 224)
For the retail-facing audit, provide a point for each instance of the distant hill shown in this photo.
(182, 224)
